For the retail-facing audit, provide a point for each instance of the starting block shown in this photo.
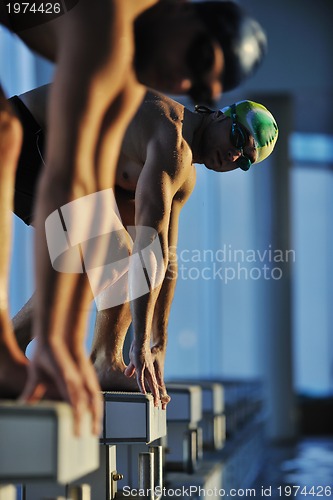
(37, 443)
(7, 492)
(100, 484)
(213, 421)
(130, 419)
(184, 434)
(132, 422)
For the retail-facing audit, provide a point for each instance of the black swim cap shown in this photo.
(241, 37)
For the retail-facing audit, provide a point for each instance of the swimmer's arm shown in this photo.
(153, 208)
(163, 306)
(165, 297)
(154, 194)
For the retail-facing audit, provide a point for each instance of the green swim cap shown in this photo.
(260, 123)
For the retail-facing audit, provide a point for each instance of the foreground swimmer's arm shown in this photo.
(89, 110)
(13, 363)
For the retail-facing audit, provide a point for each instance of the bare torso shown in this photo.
(157, 128)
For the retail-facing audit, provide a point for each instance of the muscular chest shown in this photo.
(128, 173)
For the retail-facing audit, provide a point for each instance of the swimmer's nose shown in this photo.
(216, 90)
(233, 154)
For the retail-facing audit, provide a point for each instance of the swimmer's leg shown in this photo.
(107, 350)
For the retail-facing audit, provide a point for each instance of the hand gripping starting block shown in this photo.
(131, 417)
(37, 443)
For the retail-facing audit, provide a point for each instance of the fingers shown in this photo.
(54, 374)
(79, 406)
(165, 398)
(35, 387)
(153, 386)
(32, 393)
(140, 378)
(96, 408)
(79, 386)
(95, 402)
(130, 370)
(144, 375)
(72, 388)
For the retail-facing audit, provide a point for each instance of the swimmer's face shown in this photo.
(218, 152)
(205, 61)
(175, 54)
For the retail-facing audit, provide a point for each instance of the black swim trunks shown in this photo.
(30, 162)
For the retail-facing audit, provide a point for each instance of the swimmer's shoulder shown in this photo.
(162, 117)
(156, 132)
(150, 126)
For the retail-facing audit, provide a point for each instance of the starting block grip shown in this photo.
(37, 443)
(131, 417)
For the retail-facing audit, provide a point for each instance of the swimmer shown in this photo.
(98, 86)
(154, 179)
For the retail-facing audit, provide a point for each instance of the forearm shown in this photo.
(58, 267)
(142, 309)
(69, 250)
(10, 145)
(163, 306)
(145, 285)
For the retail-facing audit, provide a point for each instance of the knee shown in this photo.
(11, 134)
